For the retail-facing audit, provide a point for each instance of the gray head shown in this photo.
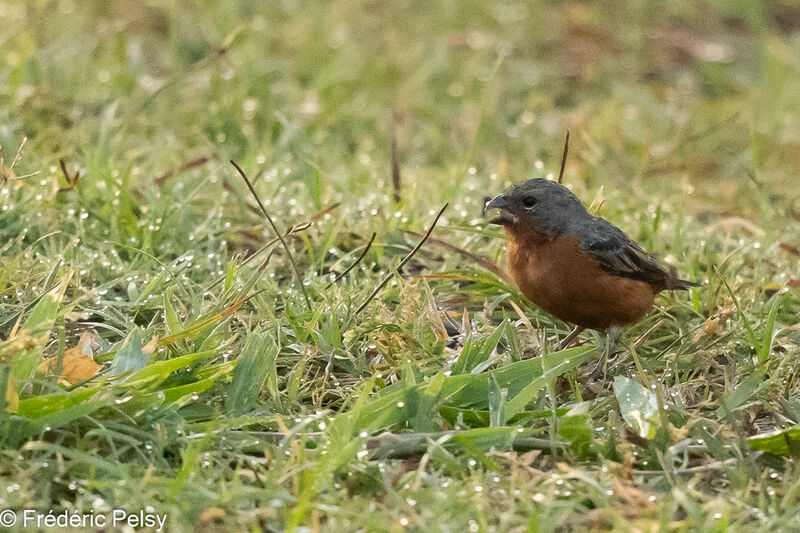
(541, 205)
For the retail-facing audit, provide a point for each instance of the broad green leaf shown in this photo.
(422, 401)
(472, 390)
(476, 352)
(180, 393)
(638, 405)
(578, 430)
(159, 371)
(484, 439)
(129, 357)
(346, 433)
(497, 402)
(251, 372)
(39, 406)
(743, 392)
(556, 364)
(482, 417)
(40, 413)
(61, 418)
(779, 442)
(174, 325)
(41, 318)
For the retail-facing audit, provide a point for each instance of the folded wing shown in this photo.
(620, 256)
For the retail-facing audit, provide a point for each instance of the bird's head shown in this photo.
(537, 205)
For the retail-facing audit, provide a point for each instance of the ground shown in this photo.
(159, 351)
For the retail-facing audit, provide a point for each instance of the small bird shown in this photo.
(579, 268)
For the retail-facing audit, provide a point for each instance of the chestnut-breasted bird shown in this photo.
(580, 268)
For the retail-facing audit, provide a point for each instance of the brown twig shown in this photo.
(258, 252)
(72, 181)
(405, 260)
(277, 233)
(357, 261)
(18, 155)
(484, 262)
(318, 215)
(194, 163)
(564, 158)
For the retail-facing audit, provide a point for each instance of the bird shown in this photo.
(580, 268)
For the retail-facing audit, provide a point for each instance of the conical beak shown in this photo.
(502, 203)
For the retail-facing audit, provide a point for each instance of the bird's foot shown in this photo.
(599, 372)
(571, 337)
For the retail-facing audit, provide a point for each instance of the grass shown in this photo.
(230, 402)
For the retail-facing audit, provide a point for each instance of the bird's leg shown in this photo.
(569, 338)
(609, 349)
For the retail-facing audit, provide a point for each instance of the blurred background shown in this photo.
(675, 97)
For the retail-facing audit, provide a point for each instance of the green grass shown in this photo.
(439, 407)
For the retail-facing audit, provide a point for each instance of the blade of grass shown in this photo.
(482, 261)
(405, 260)
(750, 332)
(356, 262)
(277, 233)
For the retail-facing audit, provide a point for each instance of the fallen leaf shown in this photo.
(131, 356)
(78, 364)
(151, 346)
(200, 161)
(789, 248)
(528, 458)
(564, 467)
(715, 324)
(633, 500)
(212, 513)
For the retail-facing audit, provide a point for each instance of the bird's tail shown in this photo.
(679, 284)
(685, 284)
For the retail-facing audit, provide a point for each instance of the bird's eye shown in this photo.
(528, 202)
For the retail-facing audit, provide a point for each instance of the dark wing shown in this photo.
(620, 256)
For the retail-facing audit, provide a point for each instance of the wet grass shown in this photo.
(234, 396)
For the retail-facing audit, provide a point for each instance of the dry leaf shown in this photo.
(151, 346)
(78, 364)
(715, 324)
(212, 513)
(16, 343)
(789, 248)
(12, 397)
(633, 500)
(528, 458)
